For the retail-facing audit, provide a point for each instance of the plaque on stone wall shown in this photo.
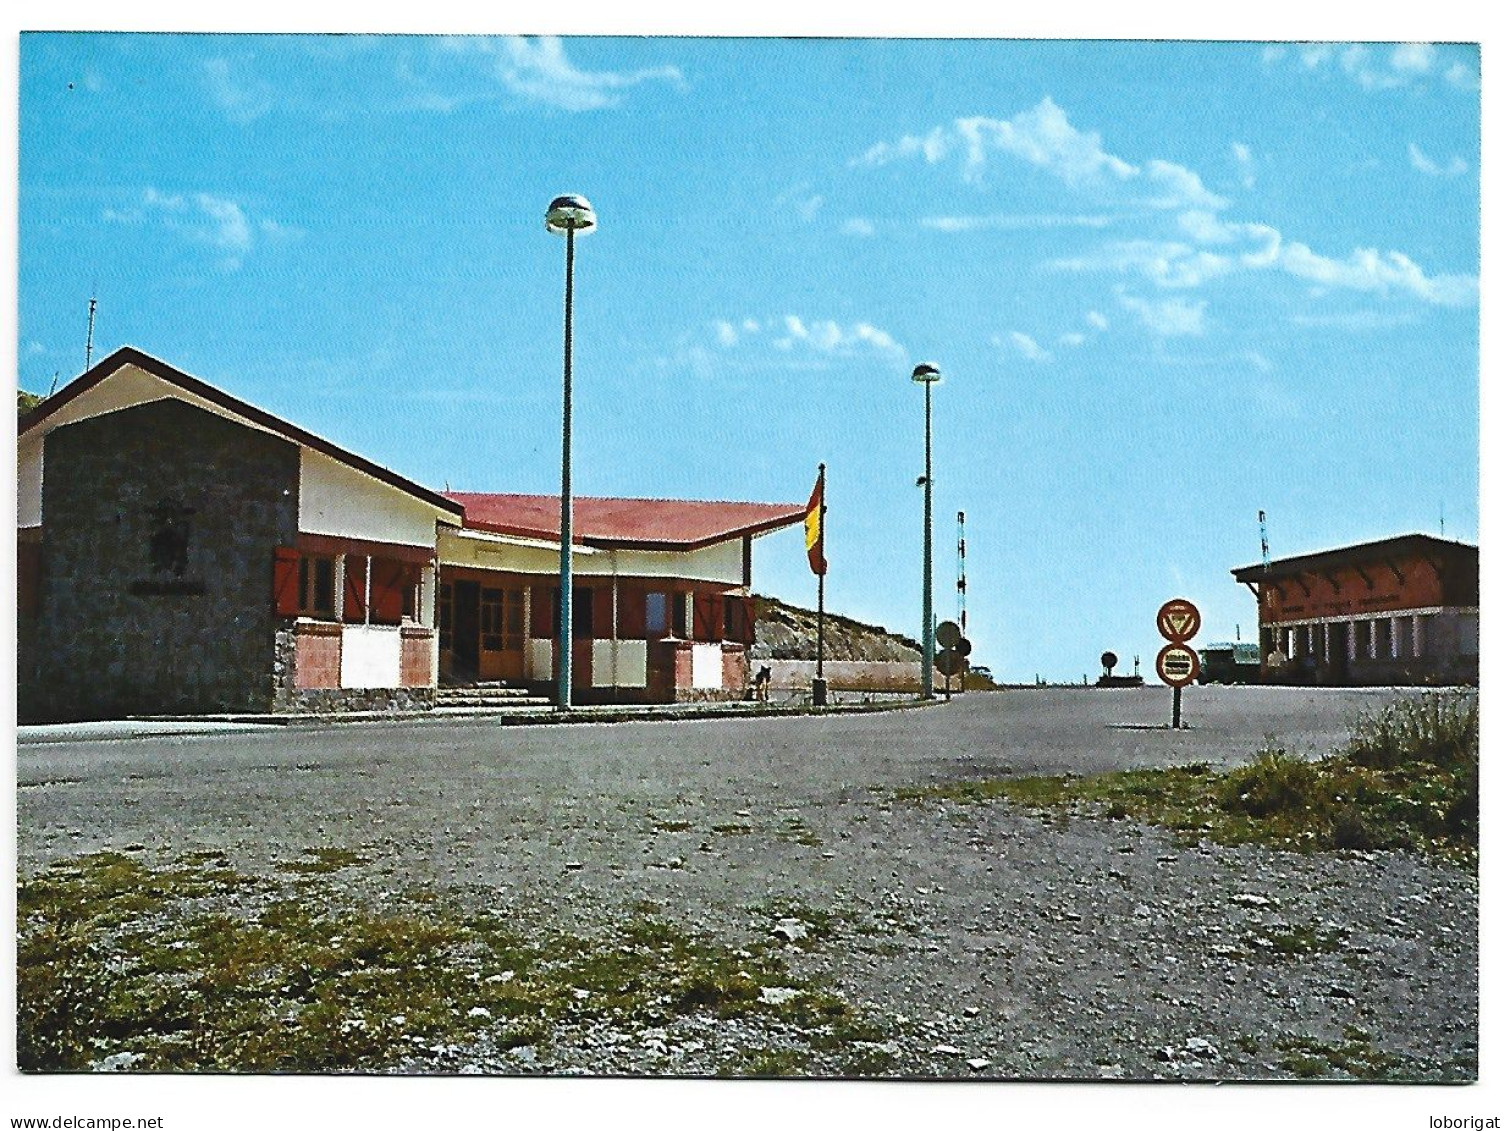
(168, 553)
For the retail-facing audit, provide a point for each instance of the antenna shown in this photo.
(54, 387)
(959, 585)
(1441, 519)
(1263, 538)
(89, 339)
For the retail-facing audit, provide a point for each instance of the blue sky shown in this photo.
(1169, 284)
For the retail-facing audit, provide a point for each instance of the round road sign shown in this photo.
(949, 662)
(964, 646)
(1178, 620)
(1178, 665)
(947, 634)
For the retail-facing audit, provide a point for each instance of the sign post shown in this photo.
(1177, 663)
(947, 660)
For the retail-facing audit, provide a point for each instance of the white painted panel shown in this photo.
(707, 666)
(370, 656)
(541, 653)
(341, 501)
(1468, 634)
(723, 563)
(29, 481)
(632, 663)
(602, 663)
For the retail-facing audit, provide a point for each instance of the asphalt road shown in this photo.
(1020, 919)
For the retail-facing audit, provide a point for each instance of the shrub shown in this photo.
(1274, 782)
(1437, 728)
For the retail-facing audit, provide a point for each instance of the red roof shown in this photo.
(631, 524)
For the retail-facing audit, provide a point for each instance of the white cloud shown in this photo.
(202, 218)
(1010, 223)
(1244, 158)
(1167, 263)
(857, 226)
(1168, 317)
(822, 337)
(1422, 163)
(1044, 138)
(1028, 347)
(1097, 319)
(1180, 265)
(537, 70)
(1072, 339)
(1258, 361)
(1382, 66)
(1369, 270)
(243, 99)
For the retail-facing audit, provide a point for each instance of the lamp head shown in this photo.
(927, 374)
(570, 213)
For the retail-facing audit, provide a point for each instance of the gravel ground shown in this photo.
(996, 941)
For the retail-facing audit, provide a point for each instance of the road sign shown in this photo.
(964, 646)
(949, 662)
(1178, 665)
(1178, 620)
(947, 634)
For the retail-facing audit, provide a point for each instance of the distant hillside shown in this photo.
(786, 632)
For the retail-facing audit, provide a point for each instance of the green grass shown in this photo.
(194, 967)
(1407, 778)
(1354, 1055)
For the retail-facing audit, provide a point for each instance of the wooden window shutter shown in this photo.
(705, 618)
(354, 607)
(286, 581)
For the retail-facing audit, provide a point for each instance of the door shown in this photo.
(464, 631)
(1336, 654)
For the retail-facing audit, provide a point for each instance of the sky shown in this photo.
(1169, 285)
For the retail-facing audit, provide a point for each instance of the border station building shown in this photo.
(180, 551)
(1400, 611)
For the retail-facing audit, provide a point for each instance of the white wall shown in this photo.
(722, 563)
(540, 654)
(619, 663)
(370, 656)
(707, 665)
(341, 501)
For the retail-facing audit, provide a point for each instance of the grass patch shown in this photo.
(1407, 778)
(319, 861)
(1355, 1055)
(193, 967)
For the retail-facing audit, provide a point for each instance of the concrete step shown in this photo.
(491, 702)
(489, 691)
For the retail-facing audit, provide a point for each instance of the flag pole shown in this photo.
(822, 533)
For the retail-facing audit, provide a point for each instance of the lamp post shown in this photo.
(927, 375)
(567, 215)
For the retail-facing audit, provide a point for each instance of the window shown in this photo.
(737, 624)
(303, 584)
(501, 617)
(655, 615)
(679, 615)
(490, 616)
(317, 586)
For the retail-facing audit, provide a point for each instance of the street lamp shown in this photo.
(567, 215)
(927, 375)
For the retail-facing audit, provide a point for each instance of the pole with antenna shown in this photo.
(959, 583)
(89, 338)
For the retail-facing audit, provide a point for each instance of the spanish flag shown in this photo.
(813, 524)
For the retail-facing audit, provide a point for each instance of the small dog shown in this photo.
(763, 683)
